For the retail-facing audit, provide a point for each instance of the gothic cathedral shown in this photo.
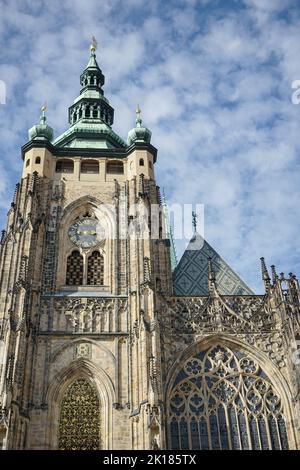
(105, 342)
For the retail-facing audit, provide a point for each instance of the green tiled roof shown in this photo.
(89, 135)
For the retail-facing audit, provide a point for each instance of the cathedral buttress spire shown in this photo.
(274, 274)
(169, 231)
(265, 274)
(211, 277)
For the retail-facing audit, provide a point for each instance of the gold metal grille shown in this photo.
(79, 424)
(74, 276)
(95, 269)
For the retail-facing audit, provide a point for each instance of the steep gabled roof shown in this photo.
(190, 276)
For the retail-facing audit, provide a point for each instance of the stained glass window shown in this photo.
(227, 402)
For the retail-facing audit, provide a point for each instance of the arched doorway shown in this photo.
(222, 399)
(79, 421)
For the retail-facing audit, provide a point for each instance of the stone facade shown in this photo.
(166, 371)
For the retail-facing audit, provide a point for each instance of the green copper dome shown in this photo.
(139, 133)
(41, 130)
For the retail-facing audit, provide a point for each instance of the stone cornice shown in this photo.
(88, 152)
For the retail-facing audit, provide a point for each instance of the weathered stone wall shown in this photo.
(126, 338)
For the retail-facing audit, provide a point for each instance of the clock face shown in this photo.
(86, 232)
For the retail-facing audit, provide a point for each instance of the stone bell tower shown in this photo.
(80, 340)
(101, 346)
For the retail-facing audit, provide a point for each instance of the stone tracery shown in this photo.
(221, 399)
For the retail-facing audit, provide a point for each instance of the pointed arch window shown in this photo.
(74, 275)
(221, 399)
(79, 423)
(95, 269)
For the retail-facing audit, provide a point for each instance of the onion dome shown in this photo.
(139, 133)
(41, 130)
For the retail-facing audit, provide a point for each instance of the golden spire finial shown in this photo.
(93, 46)
(43, 118)
(44, 108)
(138, 119)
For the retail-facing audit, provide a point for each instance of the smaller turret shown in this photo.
(92, 77)
(139, 133)
(41, 131)
(37, 154)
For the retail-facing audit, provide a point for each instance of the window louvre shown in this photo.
(64, 166)
(90, 167)
(74, 276)
(115, 168)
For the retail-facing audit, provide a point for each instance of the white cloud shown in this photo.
(268, 5)
(214, 85)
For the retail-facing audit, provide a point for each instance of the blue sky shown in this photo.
(213, 79)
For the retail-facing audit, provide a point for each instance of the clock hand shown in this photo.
(86, 232)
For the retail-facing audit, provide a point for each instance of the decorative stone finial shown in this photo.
(265, 274)
(274, 274)
(194, 221)
(211, 273)
(211, 276)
